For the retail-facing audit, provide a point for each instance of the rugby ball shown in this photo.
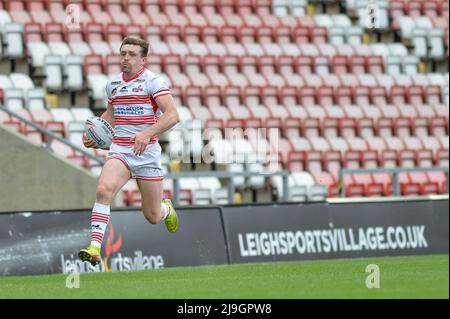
(99, 131)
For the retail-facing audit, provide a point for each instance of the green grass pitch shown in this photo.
(400, 277)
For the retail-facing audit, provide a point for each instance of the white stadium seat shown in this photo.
(38, 51)
(54, 73)
(73, 72)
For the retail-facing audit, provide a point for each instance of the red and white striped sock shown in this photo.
(99, 222)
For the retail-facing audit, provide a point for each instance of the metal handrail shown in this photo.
(395, 171)
(52, 136)
(228, 175)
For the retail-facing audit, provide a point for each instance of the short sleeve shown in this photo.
(108, 92)
(158, 87)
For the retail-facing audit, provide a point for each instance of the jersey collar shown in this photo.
(138, 74)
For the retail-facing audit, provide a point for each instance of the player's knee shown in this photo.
(104, 192)
(153, 217)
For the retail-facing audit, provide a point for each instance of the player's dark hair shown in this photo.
(136, 41)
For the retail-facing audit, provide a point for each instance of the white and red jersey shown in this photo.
(134, 104)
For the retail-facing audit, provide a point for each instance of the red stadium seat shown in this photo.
(193, 95)
(402, 127)
(246, 34)
(415, 95)
(442, 158)
(325, 178)
(398, 95)
(362, 95)
(325, 96)
(112, 64)
(347, 127)
(340, 65)
(433, 94)
(38, 12)
(307, 96)
(318, 34)
(365, 127)
(384, 179)
(33, 32)
(95, 9)
(291, 127)
(374, 190)
(253, 123)
(283, 35)
(310, 127)
(375, 64)
(93, 64)
(153, 33)
(440, 179)
(212, 95)
(54, 32)
(358, 64)
(429, 188)
(354, 190)
(388, 158)
(419, 126)
(174, 13)
(407, 158)
(410, 189)
(274, 123)
(369, 159)
(313, 162)
(296, 161)
(270, 95)
(414, 8)
(264, 35)
(191, 34)
(136, 11)
(343, 95)
(424, 158)
(352, 159)
(232, 95)
(118, 12)
(304, 65)
(438, 126)
(379, 96)
(332, 162)
(385, 127)
(191, 9)
(330, 127)
(214, 123)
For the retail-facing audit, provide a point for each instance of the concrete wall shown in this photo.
(32, 178)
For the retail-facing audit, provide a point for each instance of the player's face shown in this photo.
(131, 60)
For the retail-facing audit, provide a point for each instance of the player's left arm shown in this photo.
(169, 118)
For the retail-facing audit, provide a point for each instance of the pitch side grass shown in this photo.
(400, 277)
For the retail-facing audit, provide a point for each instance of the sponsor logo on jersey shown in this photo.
(138, 89)
(124, 89)
(139, 80)
(116, 82)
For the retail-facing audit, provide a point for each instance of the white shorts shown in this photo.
(146, 166)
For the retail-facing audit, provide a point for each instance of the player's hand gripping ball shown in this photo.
(99, 131)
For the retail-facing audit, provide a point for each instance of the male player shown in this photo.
(136, 99)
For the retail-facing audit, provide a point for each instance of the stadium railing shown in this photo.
(52, 136)
(395, 175)
(228, 175)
